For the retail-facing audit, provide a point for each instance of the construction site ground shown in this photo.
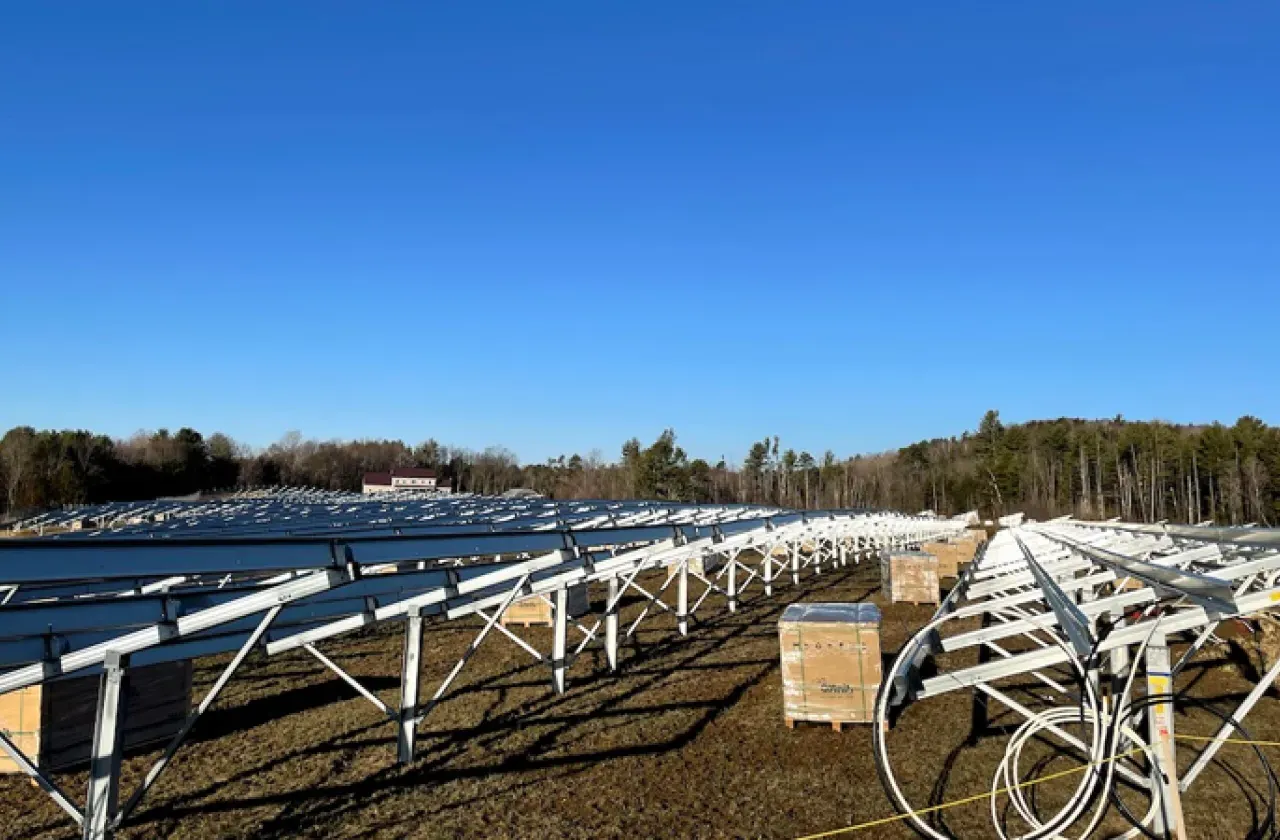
(687, 739)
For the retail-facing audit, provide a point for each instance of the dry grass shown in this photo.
(687, 740)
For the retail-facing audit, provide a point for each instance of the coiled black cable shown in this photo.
(1268, 829)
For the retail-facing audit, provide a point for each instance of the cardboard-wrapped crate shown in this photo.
(52, 723)
(830, 662)
(910, 576)
(949, 557)
(978, 535)
(536, 609)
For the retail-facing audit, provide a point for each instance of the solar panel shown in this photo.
(104, 588)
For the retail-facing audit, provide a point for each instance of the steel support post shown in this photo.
(559, 640)
(1118, 661)
(104, 759)
(1164, 772)
(682, 598)
(732, 584)
(410, 676)
(980, 714)
(611, 624)
(795, 563)
(768, 572)
(844, 554)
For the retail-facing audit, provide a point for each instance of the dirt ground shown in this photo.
(686, 740)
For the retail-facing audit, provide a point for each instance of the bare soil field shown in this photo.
(686, 740)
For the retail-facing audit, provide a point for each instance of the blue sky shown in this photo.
(553, 226)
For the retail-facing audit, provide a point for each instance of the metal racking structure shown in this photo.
(1086, 613)
(113, 587)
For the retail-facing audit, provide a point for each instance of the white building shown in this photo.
(404, 478)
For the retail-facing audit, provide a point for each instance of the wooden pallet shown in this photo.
(837, 725)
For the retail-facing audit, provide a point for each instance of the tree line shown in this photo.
(1143, 471)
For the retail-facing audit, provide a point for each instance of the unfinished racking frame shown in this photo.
(112, 587)
(1088, 612)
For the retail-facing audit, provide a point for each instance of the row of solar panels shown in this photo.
(70, 601)
(289, 514)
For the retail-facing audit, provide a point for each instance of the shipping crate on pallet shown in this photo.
(950, 555)
(830, 662)
(948, 559)
(537, 609)
(52, 723)
(910, 577)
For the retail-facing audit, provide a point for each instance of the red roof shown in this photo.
(384, 478)
(414, 472)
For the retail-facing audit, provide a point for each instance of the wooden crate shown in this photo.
(53, 723)
(951, 555)
(20, 717)
(910, 577)
(536, 610)
(948, 562)
(831, 667)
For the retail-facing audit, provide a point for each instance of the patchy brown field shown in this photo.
(687, 740)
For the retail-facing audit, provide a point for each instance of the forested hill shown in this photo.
(1104, 468)
(1091, 468)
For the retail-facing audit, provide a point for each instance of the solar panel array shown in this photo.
(108, 588)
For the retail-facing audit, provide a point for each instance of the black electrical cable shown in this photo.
(1268, 829)
(1111, 739)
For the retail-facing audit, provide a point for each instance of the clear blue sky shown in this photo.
(553, 226)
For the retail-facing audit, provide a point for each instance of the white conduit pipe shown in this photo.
(1100, 755)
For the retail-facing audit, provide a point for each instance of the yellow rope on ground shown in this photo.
(970, 799)
(1178, 737)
